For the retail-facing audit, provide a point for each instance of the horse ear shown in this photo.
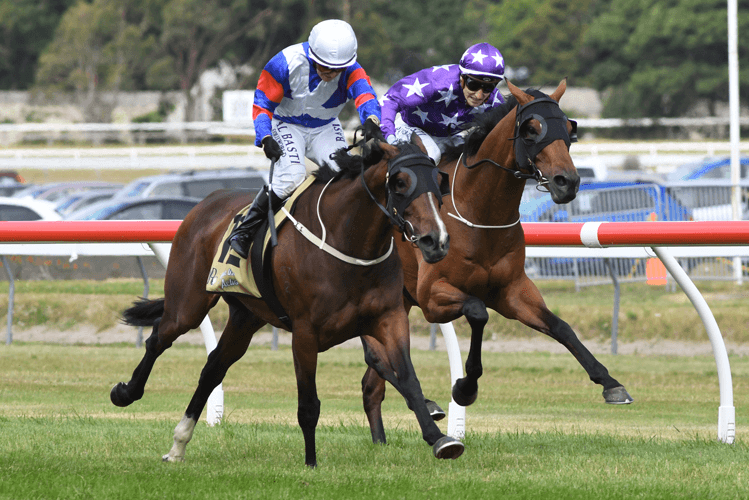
(416, 140)
(521, 96)
(389, 150)
(372, 152)
(559, 92)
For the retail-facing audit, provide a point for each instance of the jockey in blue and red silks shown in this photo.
(299, 95)
(439, 103)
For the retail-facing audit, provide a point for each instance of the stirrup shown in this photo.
(239, 246)
(241, 238)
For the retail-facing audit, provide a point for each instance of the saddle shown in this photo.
(231, 273)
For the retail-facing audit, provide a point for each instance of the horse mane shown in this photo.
(480, 128)
(351, 164)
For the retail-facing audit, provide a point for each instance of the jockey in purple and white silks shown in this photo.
(300, 93)
(439, 103)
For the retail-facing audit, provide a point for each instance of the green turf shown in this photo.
(538, 430)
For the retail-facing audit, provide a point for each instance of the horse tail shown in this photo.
(144, 312)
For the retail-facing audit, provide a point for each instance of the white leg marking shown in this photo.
(182, 436)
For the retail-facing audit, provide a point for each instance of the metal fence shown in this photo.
(675, 201)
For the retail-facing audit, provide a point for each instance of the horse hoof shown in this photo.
(617, 396)
(169, 458)
(462, 396)
(435, 411)
(448, 447)
(119, 395)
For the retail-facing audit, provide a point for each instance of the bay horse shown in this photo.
(527, 137)
(329, 298)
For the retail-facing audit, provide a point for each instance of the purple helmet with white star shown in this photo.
(482, 60)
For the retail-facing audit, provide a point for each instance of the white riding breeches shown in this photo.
(435, 145)
(298, 142)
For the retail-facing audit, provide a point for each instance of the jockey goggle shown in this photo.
(475, 84)
(326, 69)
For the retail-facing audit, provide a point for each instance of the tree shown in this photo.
(97, 46)
(411, 35)
(375, 46)
(160, 44)
(545, 36)
(193, 41)
(658, 58)
(26, 27)
(75, 59)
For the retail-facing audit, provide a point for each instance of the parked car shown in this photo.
(709, 169)
(710, 199)
(24, 209)
(80, 199)
(11, 174)
(196, 184)
(10, 186)
(53, 191)
(614, 201)
(588, 168)
(156, 208)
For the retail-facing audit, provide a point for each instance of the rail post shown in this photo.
(726, 410)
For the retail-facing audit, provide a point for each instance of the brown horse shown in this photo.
(528, 137)
(327, 298)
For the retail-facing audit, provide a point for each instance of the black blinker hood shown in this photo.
(553, 127)
(425, 177)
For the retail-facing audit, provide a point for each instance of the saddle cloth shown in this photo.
(232, 273)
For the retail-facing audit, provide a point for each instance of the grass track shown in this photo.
(540, 429)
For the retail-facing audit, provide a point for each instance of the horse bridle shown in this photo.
(424, 179)
(424, 175)
(553, 127)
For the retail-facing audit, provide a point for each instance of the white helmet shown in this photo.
(332, 43)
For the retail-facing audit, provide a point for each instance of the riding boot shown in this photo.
(241, 238)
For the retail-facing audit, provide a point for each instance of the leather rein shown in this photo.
(550, 111)
(411, 162)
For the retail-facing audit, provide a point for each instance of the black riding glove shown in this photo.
(271, 148)
(372, 130)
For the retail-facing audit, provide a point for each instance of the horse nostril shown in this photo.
(567, 182)
(426, 241)
(561, 181)
(432, 248)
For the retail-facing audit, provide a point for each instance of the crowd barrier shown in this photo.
(658, 236)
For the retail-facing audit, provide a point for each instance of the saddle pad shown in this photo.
(232, 273)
